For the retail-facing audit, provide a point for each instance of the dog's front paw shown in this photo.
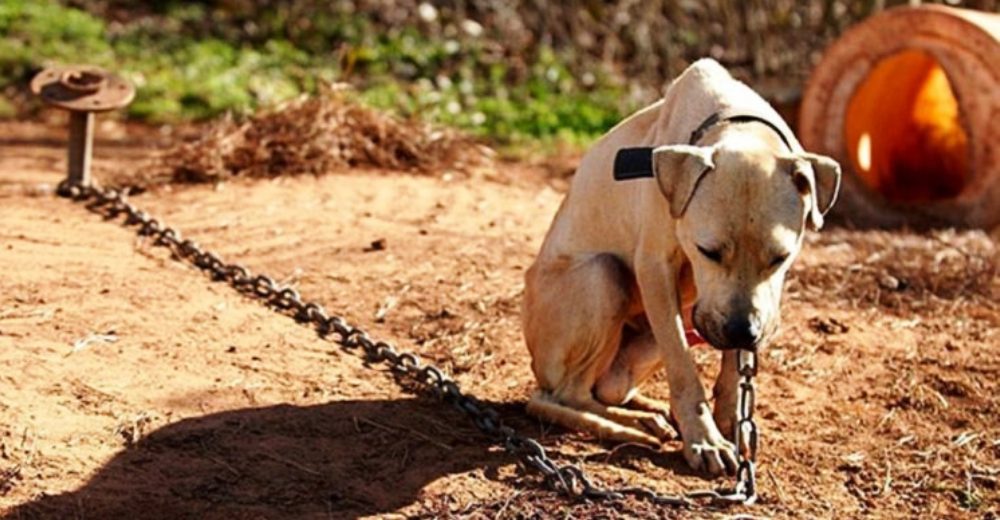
(725, 420)
(726, 393)
(714, 456)
(705, 448)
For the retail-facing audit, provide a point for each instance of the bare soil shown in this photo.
(132, 386)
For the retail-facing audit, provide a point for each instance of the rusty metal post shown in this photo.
(83, 91)
(81, 144)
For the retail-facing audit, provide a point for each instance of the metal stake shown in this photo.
(83, 91)
(81, 145)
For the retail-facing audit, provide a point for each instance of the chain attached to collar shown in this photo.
(567, 479)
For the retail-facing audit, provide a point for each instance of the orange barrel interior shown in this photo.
(908, 101)
(903, 132)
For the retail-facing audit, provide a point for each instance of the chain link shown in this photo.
(568, 479)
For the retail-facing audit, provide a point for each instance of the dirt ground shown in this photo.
(131, 386)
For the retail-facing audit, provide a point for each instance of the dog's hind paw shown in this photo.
(658, 426)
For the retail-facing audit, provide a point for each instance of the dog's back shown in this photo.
(703, 89)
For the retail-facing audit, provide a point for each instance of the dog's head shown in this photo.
(740, 212)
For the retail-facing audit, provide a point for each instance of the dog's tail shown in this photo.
(544, 406)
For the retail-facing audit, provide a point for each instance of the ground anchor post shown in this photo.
(83, 91)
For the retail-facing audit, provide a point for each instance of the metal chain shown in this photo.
(568, 479)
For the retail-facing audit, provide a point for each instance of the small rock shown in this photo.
(377, 245)
(39, 190)
(828, 325)
(889, 282)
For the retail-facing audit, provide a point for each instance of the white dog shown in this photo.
(702, 239)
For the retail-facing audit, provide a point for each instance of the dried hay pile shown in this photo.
(316, 135)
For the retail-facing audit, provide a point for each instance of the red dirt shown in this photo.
(880, 398)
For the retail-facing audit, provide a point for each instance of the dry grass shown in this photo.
(904, 272)
(315, 135)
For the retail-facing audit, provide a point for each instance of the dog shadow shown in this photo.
(342, 459)
(338, 460)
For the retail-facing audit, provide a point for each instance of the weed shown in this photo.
(191, 62)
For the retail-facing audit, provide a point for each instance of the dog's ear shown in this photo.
(818, 177)
(679, 168)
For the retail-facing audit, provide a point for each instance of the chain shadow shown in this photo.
(338, 460)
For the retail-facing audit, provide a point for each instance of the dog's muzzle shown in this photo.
(739, 331)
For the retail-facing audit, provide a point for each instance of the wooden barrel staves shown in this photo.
(909, 102)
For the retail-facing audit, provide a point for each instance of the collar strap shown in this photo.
(637, 163)
(723, 117)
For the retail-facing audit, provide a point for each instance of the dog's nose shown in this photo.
(742, 332)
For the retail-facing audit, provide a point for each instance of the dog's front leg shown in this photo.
(705, 448)
(726, 393)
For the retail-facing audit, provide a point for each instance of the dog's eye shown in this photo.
(712, 254)
(778, 260)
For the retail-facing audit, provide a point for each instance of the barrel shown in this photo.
(908, 101)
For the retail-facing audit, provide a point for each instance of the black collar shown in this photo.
(732, 116)
(637, 163)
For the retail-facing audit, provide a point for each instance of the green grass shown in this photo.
(184, 71)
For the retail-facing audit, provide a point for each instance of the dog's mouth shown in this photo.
(718, 341)
(711, 338)
(702, 332)
(712, 334)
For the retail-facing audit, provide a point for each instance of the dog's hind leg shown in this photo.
(574, 312)
(636, 361)
(592, 419)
